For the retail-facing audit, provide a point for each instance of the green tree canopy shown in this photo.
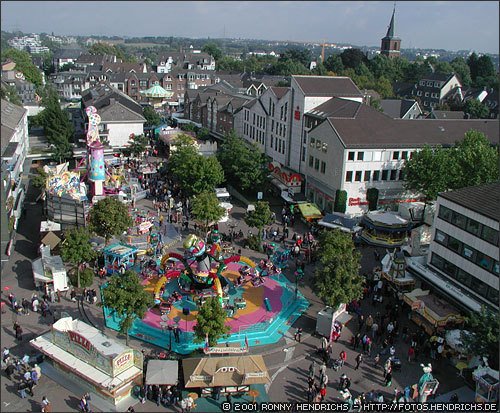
(472, 161)
(24, 65)
(76, 249)
(126, 296)
(56, 124)
(482, 335)
(213, 50)
(243, 165)
(476, 109)
(152, 117)
(109, 218)
(137, 144)
(352, 58)
(9, 92)
(206, 209)
(39, 179)
(211, 321)
(462, 69)
(194, 172)
(333, 63)
(337, 280)
(260, 217)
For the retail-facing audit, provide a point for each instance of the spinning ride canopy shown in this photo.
(156, 91)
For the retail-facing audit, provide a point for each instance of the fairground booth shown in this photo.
(393, 271)
(118, 255)
(230, 374)
(431, 312)
(487, 385)
(385, 229)
(85, 355)
(49, 273)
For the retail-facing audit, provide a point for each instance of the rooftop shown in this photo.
(339, 86)
(483, 199)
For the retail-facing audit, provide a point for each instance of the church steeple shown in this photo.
(390, 30)
(391, 45)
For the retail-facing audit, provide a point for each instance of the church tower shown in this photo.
(391, 45)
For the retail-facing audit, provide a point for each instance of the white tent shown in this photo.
(50, 270)
(162, 372)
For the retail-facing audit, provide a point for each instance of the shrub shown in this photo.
(340, 201)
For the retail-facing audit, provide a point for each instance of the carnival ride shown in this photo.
(260, 302)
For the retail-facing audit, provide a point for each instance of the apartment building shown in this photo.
(356, 147)
(463, 258)
(14, 147)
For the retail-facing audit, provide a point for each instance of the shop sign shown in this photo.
(122, 360)
(225, 350)
(297, 114)
(357, 201)
(80, 340)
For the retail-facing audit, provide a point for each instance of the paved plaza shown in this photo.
(288, 361)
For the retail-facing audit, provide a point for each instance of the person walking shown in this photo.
(359, 359)
(21, 388)
(312, 370)
(342, 358)
(46, 407)
(322, 372)
(9, 370)
(298, 334)
(369, 323)
(388, 378)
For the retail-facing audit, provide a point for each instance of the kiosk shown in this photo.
(487, 385)
(118, 255)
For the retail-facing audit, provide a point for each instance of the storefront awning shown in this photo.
(310, 211)
(341, 222)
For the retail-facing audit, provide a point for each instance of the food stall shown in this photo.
(49, 272)
(230, 374)
(310, 212)
(98, 363)
(487, 385)
(328, 317)
(116, 255)
(431, 312)
(393, 270)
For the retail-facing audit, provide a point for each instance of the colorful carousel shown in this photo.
(261, 304)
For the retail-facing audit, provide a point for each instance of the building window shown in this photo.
(489, 235)
(454, 244)
(323, 167)
(348, 176)
(361, 156)
(394, 174)
(316, 164)
(473, 226)
(350, 156)
(468, 253)
(437, 261)
(385, 174)
(367, 176)
(395, 155)
(272, 140)
(404, 155)
(441, 237)
(311, 161)
(458, 220)
(445, 213)
(484, 261)
(401, 175)
(357, 176)
(376, 176)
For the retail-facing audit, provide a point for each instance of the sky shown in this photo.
(449, 25)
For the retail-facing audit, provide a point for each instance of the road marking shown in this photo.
(267, 385)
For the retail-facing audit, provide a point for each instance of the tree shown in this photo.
(67, 67)
(213, 50)
(384, 88)
(56, 124)
(9, 92)
(109, 217)
(340, 203)
(461, 68)
(475, 161)
(260, 217)
(39, 179)
(427, 172)
(229, 64)
(372, 198)
(320, 70)
(482, 335)
(472, 161)
(152, 117)
(76, 249)
(476, 109)
(243, 164)
(205, 208)
(333, 63)
(210, 321)
(352, 58)
(137, 144)
(194, 172)
(24, 65)
(337, 280)
(126, 296)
